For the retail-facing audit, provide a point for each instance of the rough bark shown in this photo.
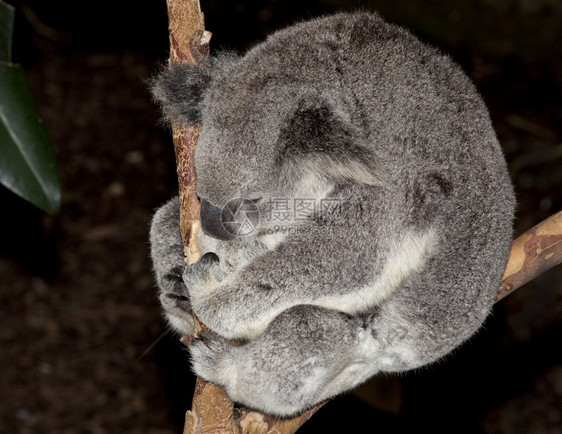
(532, 253)
(189, 43)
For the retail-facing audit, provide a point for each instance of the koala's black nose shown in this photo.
(212, 223)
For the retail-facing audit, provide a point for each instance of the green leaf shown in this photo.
(6, 29)
(27, 162)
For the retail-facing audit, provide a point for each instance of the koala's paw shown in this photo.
(211, 358)
(173, 292)
(174, 298)
(203, 277)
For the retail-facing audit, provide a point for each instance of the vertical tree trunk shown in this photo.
(189, 43)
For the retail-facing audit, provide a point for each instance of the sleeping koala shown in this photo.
(356, 211)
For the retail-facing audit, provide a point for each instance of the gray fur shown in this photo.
(351, 109)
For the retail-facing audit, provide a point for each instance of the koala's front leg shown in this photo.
(166, 249)
(301, 270)
(306, 355)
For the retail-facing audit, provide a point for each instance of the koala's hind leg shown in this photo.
(306, 355)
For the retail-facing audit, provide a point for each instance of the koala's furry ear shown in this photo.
(316, 140)
(179, 90)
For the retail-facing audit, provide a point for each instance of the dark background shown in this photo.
(78, 310)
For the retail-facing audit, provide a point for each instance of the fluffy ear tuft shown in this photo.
(316, 140)
(179, 91)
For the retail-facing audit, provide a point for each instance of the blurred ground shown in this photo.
(78, 312)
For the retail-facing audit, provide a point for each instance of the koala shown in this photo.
(355, 205)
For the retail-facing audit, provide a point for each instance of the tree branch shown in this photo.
(533, 253)
(189, 43)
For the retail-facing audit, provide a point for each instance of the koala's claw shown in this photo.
(175, 273)
(174, 293)
(208, 353)
(173, 282)
(177, 297)
(207, 337)
(176, 300)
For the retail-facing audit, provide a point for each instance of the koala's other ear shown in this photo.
(316, 140)
(179, 90)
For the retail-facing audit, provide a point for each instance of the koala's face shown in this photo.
(239, 154)
(265, 133)
(231, 166)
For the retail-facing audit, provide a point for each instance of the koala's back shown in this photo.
(410, 103)
(351, 108)
(424, 119)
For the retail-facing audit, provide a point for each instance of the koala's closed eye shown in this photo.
(356, 211)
